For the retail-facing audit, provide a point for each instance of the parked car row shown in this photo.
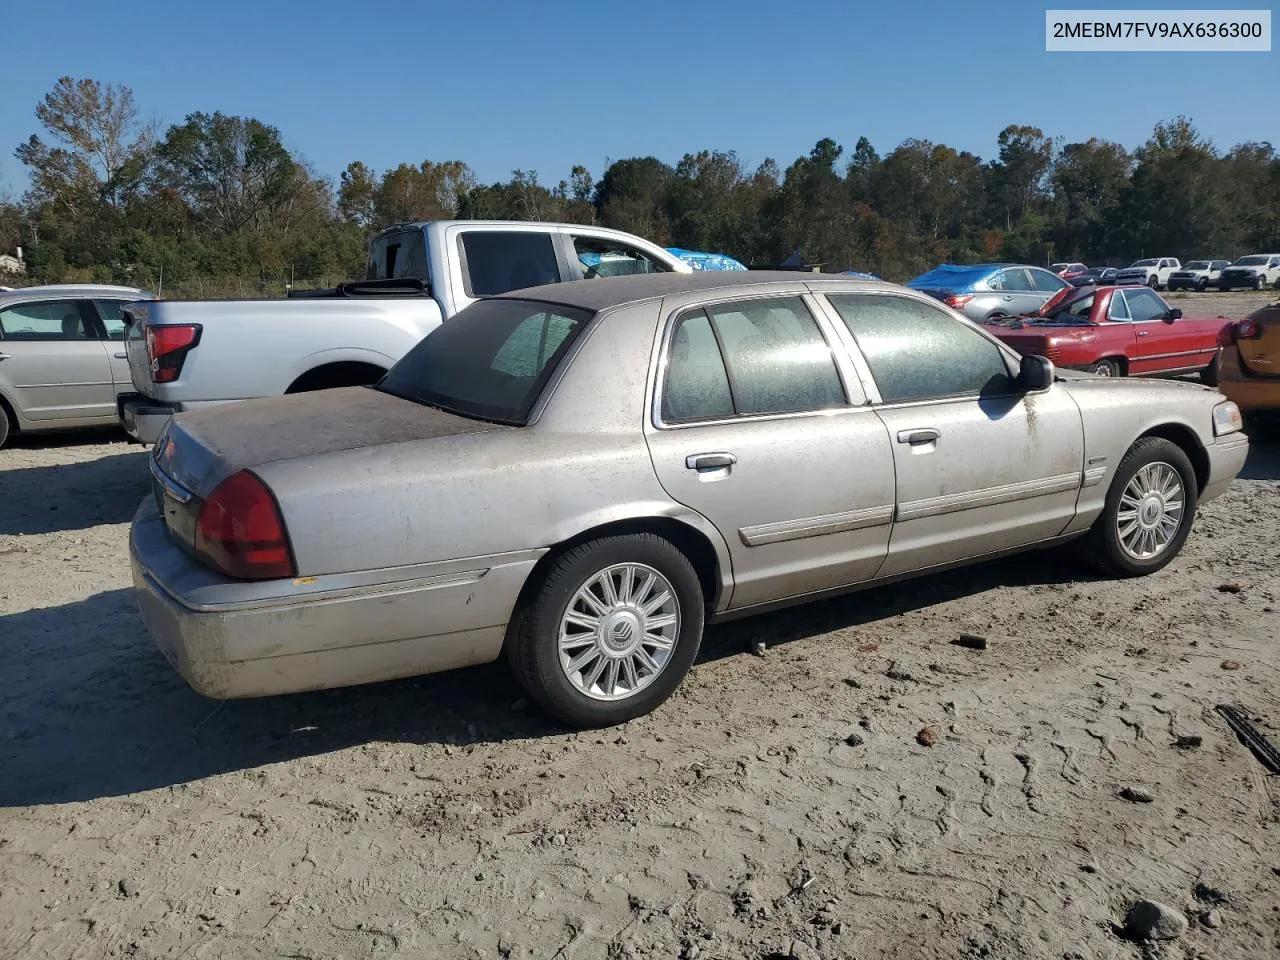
(1256, 271)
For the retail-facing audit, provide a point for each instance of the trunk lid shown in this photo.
(201, 448)
(1261, 356)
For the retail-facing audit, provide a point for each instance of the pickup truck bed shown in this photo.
(184, 355)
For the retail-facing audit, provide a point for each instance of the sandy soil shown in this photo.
(779, 805)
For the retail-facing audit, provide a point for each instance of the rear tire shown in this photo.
(1114, 544)
(618, 584)
(1106, 368)
(5, 426)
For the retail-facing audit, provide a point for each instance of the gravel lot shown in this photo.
(779, 805)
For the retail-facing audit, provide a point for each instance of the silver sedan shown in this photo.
(62, 364)
(582, 477)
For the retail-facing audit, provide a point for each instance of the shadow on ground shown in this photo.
(1264, 450)
(72, 496)
(89, 708)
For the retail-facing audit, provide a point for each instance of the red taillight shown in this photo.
(1248, 330)
(167, 348)
(241, 532)
(957, 300)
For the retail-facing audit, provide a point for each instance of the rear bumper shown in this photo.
(143, 418)
(229, 639)
(1249, 391)
(1226, 460)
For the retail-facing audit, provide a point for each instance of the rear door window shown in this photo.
(777, 359)
(697, 384)
(1012, 279)
(1046, 282)
(497, 261)
(749, 358)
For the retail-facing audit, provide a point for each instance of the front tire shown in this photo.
(1148, 514)
(611, 630)
(4, 426)
(1202, 285)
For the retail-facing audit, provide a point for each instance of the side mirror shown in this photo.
(1172, 315)
(1035, 374)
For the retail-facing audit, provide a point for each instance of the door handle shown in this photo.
(1007, 297)
(1144, 333)
(122, 356)
(4, 356)
(709, 461)
(922, 435)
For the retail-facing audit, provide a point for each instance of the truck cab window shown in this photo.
(496, 261)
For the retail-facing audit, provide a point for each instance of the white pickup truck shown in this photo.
(186, 354)
(1153, 272)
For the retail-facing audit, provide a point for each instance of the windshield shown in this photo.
(1144, 263)
(1057, 267)
(491, 361)
(1197, 265)
(1254, 261)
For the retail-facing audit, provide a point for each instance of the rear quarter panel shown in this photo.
(583, 463)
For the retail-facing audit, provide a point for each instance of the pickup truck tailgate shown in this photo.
(135, 345)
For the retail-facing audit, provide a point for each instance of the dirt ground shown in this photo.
(779, 805)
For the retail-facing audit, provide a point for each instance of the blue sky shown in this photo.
(545, 85)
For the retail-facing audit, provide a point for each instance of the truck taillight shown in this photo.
(167, 348)
(241, 532)
(1248, 330)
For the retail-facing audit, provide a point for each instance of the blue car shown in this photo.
(985, 291)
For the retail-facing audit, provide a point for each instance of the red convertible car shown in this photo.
(1118, 331)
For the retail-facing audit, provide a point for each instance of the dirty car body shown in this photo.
(584, 475)
(1118, 331)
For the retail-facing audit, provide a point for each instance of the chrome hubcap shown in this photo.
(1103, 369)
(1151, 510)
(618, 631)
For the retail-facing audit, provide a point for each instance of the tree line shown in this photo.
(218, 205)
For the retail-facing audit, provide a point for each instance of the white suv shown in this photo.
(1153, 272)
(1258, 270)
(1197, 274)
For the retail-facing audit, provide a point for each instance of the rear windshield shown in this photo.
(1197, 265)
(490, 361)
(1250, 261)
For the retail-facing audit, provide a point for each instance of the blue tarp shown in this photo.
(706, 261)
